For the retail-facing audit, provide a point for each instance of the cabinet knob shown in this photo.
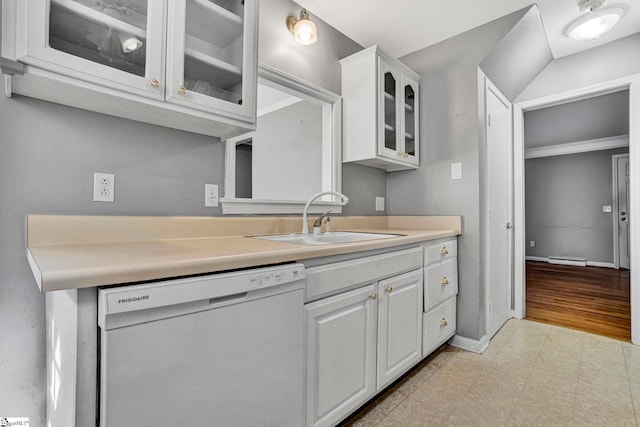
(373, 296)
(444, 280)
(443, 322)
(154, 82)
(444, 251)
(181, 90)
(389, 289)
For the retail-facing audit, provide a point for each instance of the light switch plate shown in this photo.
(456, 170)
(210, 196)
(606, 208)
(379, 204)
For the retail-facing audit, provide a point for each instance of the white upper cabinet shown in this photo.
(192, 56)
(380, 104)
(208, 63)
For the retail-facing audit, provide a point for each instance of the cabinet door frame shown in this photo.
(408, 81)
(330, 309)
(383, 68)
(176, 29)
(404, 290)
(33, 49)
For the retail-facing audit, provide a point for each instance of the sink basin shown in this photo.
(327, 238)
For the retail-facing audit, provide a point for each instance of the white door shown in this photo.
(622, 195)
(499, 137)
(399, 325)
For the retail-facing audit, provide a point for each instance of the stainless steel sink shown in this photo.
(327, 238)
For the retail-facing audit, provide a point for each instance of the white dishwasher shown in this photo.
(216, 350)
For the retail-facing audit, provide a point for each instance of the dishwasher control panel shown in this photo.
(200, 288)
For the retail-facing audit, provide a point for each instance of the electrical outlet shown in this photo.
(456, 171)
(210, 196)
(104, 187)
(379, 204)
(606, 208)
(533, 243)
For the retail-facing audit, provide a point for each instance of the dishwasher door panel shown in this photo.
(227, 366)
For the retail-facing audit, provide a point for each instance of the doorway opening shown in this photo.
(571, 240)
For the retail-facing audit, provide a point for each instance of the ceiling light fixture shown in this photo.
(596, 22)
(304, 30)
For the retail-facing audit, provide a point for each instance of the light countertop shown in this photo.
(67, 252)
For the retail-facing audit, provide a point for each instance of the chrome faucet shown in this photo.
(317, 224)
(305, 221)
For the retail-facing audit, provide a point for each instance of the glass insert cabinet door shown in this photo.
(398, 110)
(389, 124)
(211, 54)
(410, 109)
(114, 43)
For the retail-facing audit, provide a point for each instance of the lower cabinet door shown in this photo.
(341, 348)
(399, 326)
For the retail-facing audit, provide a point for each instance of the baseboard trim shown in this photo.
(600, 264)
(579, 263)
(475, 346)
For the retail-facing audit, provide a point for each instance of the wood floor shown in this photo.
(592, 299)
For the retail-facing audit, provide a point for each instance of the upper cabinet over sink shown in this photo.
(380, 103)
(181, 57)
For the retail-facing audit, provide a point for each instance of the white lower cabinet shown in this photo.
(399, 326)
(440, 291)
(361, 340)
(341, 355)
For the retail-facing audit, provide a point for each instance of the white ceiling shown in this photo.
(404, 26)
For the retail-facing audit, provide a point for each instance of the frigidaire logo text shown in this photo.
(133, 299)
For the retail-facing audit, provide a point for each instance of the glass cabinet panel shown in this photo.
(213, 53)
(390, 119)
(112, 33)
(410, 120)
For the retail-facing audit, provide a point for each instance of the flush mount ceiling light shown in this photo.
(595, 22)
(304, 30)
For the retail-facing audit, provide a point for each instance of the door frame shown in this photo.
(489, 86)
(631, 83)
(614, 210)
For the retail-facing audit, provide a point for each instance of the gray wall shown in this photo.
(48, 154)
(450, 133)
(600, 64)
(593, 118)
(564, 197)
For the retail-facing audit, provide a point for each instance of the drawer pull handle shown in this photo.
(373, 296)
(388, 289)
(443, 322)
(154, 82)
(444, 281)
(444, 251)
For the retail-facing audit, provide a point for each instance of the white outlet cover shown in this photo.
(379, 204)
(606, 208)
(104, 187)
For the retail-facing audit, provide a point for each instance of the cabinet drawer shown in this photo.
(440, 251)
(440, 282)
(438, 325)
(325, 280)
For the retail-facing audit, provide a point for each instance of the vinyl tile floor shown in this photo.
(532, 374)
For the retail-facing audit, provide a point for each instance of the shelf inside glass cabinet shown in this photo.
(96, 30)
